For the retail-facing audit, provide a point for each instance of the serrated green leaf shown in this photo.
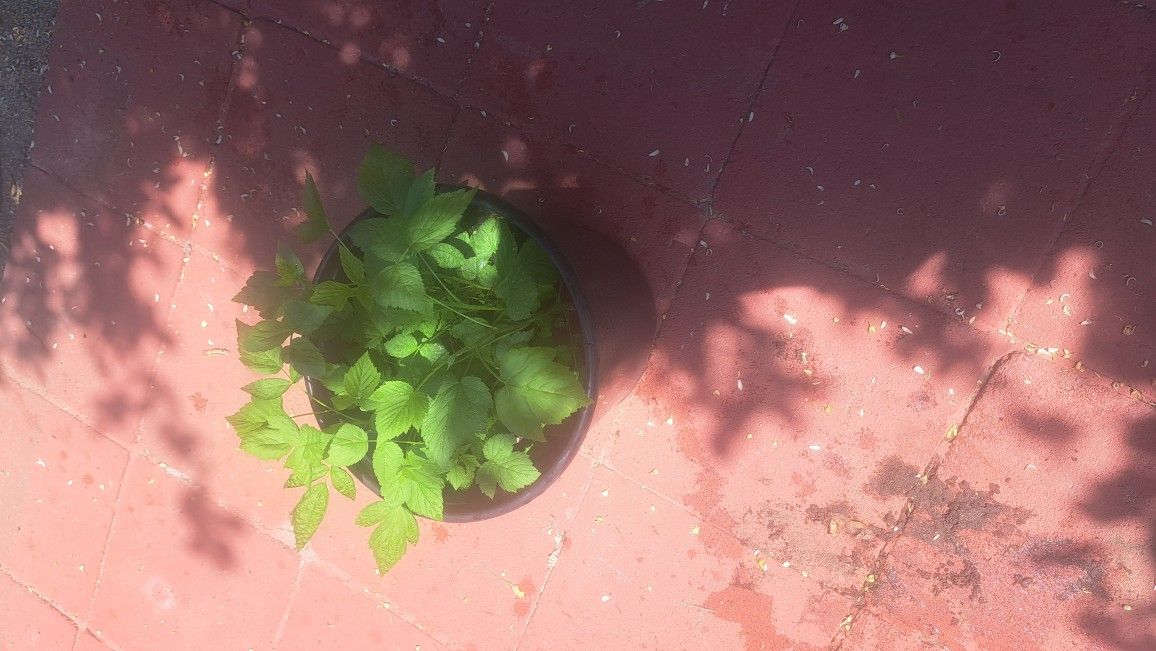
(424, 484)
(349, 445)
(262, 292)
(264, 336)
(513, 474)
(388, 540)
(514, 285)
(353, 267)
(536, 391)
(432, 351)
(387, 460)
(309, 512)
(343, 482)
(264, 428)
(305, 358)
(484, 240)
(306, 464)
(266, 361)
(420, 191)
(399, 285)
(331, 293)
(446, 256)
(380, 240)
(288, 265)
(384, 180)
(304, 317)
(498, 447)
(396, 407)
(487, 480)
(461, 474)
(373, 513)
(268, 388)
(436, 219)
(457, 412)
(316, 224)
(361, 380)
(402, 345)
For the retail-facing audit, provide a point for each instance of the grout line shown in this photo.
(43, 598)
(293, 594)
(745, 119)
(120, 492)
(908, 510)
(1110, 145)
(674, 298)
(558, 552)
(6, 374)
(481, 34)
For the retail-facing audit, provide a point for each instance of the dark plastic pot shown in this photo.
(562, 441)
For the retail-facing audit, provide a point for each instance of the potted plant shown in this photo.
(446, 349)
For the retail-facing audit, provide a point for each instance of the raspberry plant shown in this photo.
(439, 348)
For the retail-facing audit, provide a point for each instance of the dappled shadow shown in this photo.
(164, 169)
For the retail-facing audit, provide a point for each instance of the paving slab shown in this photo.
(469, 585)
(628, 82)
(85, 299)
(787, 401)
(26, 622)
(131, 102)
(57, 477)
(180, 570)
(652, 575)
(429, 41)
(275, 133)
(934, 149)
(1035, 530)
(325, 608)
(1096, 293)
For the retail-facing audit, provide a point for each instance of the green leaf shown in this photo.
(461, 474)
(458, 411)
(289, 267)
(514, 285)
(437, 218)
(498, 447)
(305, 460)
(537, 391)
(265, 444)
(384, 180)
(361, 379)
(424, 484)
(420, 191)
(315, 224)
(401, 286)
(396, 407)
(343, 482)
(266, 361)
(262, 292)
(350, 444)
(513, 474)
(446, 256)
(268, 388)
(305, 358)
(401, 346)
(484, 240)
(380, 238)
(303, 317)
(264, 428)
(331, 293)
(388, 540)
(374, 513)
(387, 460)
(309, 512)
(263, 336)
(432, 351)
(353, 267)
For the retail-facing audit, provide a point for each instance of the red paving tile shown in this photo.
(1095, 294)
(87, 641)
(181, 570)
(26, 622)
(84, 305)
(431, 41)
(785, 396)
(131, 102)
(326, 609)
(647, 574)
(197, 384)
(626, 80)
(57, 477)
(628, 243)
(275, 132)
(471, 584)
(1035, 530)
(903, 151)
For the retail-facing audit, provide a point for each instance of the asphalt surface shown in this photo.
(25, 31)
